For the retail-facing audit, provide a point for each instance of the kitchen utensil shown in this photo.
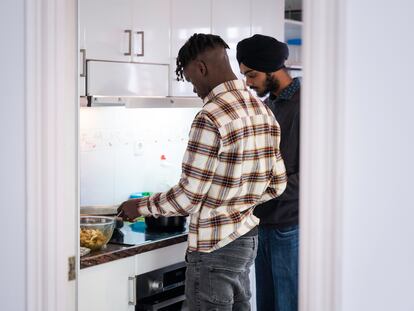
(99, 210)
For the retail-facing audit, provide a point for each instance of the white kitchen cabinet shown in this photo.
(157, 29)
(108, 286)
(231, 21)
(151, 31)
(187, 18)
(125, 30)
(127, 79)
(102, 26)
(267, 18)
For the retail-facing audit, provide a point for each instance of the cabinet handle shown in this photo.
(141, 34)
(129, 32)
(83, 53)
(133, 301)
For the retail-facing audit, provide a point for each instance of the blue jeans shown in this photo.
(276, 268)
(219, 280)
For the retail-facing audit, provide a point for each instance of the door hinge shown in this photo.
(72, 268)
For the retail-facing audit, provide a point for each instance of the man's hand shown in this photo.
(129, 210)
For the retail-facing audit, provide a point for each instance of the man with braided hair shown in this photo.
(231, 164)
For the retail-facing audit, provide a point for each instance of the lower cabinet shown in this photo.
(107, 287)
(111, 286)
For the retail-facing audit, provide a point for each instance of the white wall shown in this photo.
(357, 152)
(378, 230)
(12, 161)
(120, 151)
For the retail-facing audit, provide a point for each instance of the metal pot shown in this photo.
(169, 224)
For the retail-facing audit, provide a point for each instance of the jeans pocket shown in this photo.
(288, 231)
(223, 284)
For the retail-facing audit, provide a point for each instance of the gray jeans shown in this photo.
(220, 280)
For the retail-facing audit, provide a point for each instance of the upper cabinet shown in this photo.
(125, 30)
(232, 22)
(105, 29)
(154, 31)
(151, 31)
(187, 18)
(267, 18)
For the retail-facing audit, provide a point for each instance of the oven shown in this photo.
(162, 289)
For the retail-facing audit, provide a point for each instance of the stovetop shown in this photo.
(136, 234)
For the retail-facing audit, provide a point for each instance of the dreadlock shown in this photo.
(198, 43)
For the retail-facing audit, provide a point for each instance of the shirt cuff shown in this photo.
(143, 207)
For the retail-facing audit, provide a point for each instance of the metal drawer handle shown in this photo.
(83, 53)
(133, 301)
(141, 34)
(129, 32)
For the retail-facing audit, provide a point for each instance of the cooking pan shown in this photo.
(166, 224)
(159, 224)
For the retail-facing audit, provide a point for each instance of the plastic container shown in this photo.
(137, 195)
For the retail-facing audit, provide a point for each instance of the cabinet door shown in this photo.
(106, 287)
(231, 21)
(188, 17)
(102, 29)
(151, 25)
(268, 18)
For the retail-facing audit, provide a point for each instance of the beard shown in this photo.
(272, 85)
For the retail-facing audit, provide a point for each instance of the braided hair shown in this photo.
(198, 43)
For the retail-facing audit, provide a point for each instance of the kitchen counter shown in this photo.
(130, 240)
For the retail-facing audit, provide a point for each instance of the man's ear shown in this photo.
(202, 67)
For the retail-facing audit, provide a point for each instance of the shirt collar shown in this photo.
(225, 87)
(287, 92)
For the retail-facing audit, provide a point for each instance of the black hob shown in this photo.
(136, 234)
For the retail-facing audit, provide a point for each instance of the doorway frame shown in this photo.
(52, 173)
(322, 150)
(52, 201)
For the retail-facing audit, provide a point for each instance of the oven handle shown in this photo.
(133, 301)
(162, 304)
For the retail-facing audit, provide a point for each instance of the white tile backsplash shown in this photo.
(120, 150)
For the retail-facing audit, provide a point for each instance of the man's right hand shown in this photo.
(128, 210)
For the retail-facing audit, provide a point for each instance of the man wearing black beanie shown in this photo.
(261, 60)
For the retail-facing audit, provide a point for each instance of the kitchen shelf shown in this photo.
(293, 29)
(294, 67)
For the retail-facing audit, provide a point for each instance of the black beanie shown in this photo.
(262, 53)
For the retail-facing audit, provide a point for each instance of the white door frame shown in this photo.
(321, 155)
(51, 152)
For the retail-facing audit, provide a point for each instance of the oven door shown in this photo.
(176, 303)
(162, 289)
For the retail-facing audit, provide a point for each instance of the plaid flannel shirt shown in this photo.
(231, 164)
